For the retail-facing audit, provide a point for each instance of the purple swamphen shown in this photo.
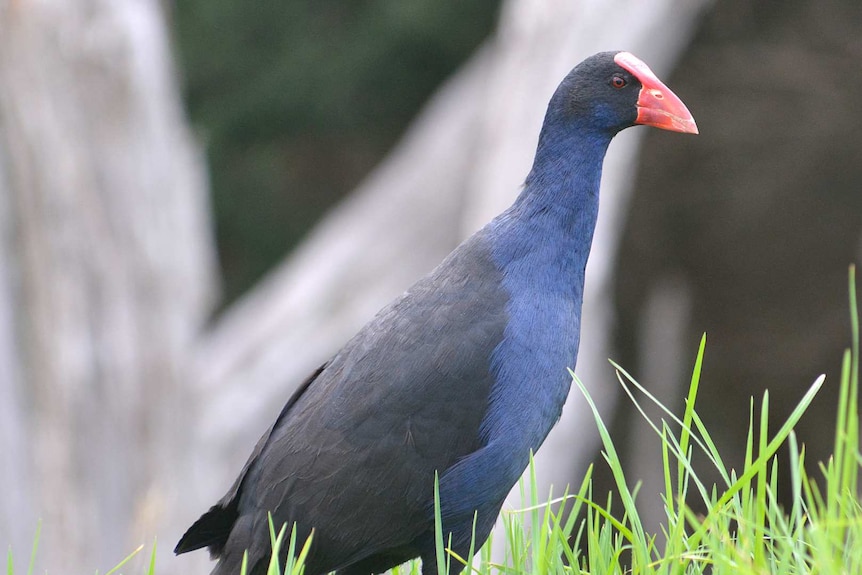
(462, 375)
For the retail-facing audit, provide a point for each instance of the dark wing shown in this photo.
(354, 456)
(213, 527)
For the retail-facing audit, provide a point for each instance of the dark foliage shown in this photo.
(296, 101)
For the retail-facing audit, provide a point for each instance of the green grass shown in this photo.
(743, 532)
(10, 566)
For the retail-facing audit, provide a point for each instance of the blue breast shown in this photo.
(541, 245)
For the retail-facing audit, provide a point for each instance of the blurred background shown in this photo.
(202, 200)
(297, 101)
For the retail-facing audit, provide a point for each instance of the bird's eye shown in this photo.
(618, 81)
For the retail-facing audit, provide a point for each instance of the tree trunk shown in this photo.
(106, 277)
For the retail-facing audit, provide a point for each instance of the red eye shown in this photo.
(618, 81)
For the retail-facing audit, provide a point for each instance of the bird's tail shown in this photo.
(211, 530)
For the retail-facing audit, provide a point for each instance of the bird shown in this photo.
(457, 380)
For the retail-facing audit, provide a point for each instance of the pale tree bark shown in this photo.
(106, 277)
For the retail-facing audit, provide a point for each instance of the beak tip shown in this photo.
(690, 127)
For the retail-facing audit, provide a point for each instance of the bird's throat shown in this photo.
(560, 199)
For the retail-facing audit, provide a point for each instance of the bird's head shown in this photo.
(611, 91)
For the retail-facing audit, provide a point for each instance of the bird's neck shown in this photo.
(542, 246)
(560, 199)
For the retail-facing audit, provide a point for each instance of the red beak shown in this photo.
(657, 105)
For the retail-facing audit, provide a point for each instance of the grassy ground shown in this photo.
(744, 532)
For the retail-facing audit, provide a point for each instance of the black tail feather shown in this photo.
(211, 530)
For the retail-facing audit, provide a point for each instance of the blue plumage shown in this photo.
(541, 245)
(463, 375)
